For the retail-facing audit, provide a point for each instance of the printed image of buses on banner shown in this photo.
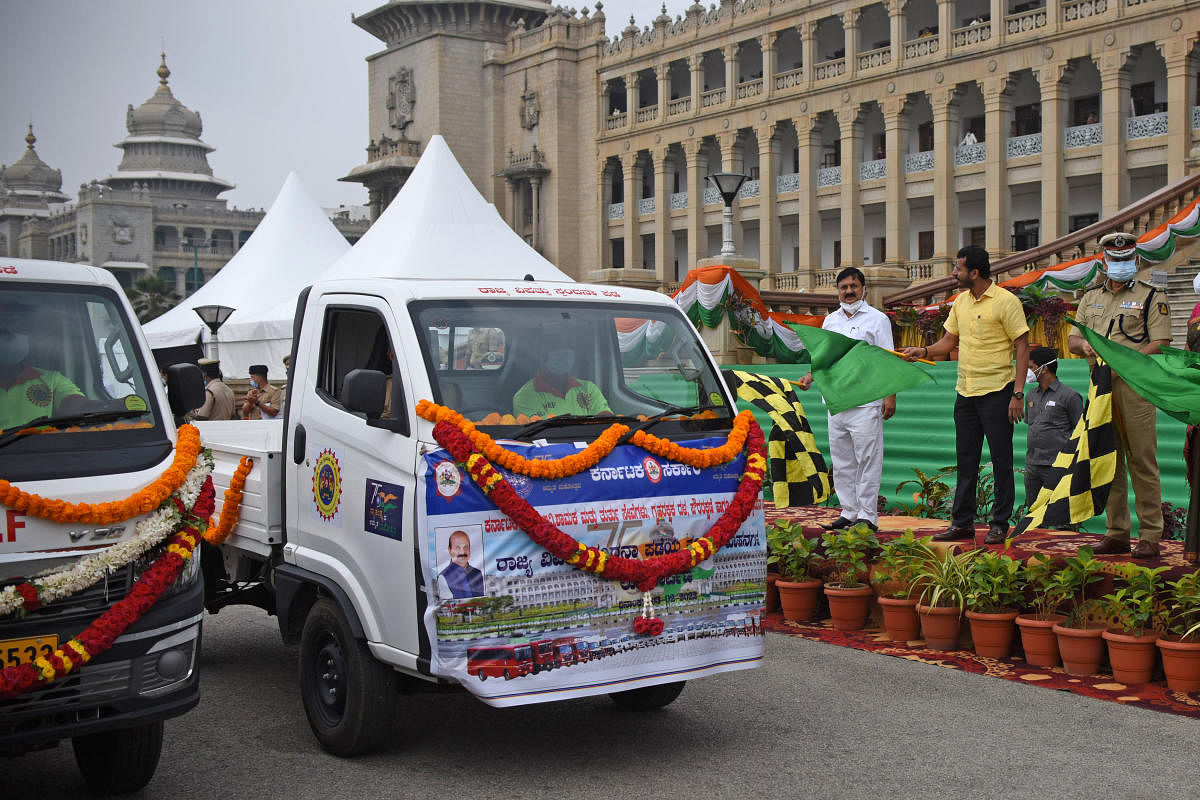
(515, 624)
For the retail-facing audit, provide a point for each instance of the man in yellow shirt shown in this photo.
(987, 325)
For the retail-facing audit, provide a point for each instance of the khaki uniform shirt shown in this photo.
(218, 402)
(1134, 314)
(270, 396)
(986, 329)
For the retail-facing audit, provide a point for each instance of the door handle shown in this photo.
(299, 444)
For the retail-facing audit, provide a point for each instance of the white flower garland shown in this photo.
(148, 533)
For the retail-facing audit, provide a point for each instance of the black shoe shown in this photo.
(839, 524)
(955, 532)
(996, 534)
(871, 525)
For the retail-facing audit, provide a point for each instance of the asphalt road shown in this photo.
(817, 721)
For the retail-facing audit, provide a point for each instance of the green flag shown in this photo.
(850, 373)
(1170, 381)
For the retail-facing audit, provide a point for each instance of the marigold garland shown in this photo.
(231, 508)
(645, 573)
(100, 635)
(595, 452)
(187, 450)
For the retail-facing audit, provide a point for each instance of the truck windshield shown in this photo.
(75, 397)
(510, 363)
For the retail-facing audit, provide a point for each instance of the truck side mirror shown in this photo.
(364, 391)
(185, 388)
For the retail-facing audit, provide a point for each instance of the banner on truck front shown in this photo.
(514, 624)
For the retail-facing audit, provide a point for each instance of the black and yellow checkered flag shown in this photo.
(1078, 484)
(799, 476)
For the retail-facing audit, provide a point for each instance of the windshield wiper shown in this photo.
(568, 419)
(670, 411)
(16, 432)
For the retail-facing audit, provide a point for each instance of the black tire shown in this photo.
(120, 761)
(648, 697)
(349, 697)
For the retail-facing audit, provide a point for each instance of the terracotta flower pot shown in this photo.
(799, 599)
(992, 633)
(1132, 657)
(900, 618)
(848, 607)
(1081, 648)
(1181, 663)
(940, 626)
(771, 602)
(1038, 639)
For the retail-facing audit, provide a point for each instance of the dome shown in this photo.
(30, 173)
(162, 114)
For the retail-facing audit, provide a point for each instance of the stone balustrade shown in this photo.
(749, 89)
(875, 58)
(789, 79)
(830, 69)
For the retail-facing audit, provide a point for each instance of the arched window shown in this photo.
(167, 276)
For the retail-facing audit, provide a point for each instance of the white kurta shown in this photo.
(856, 435)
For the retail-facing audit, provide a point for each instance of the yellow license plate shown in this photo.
(14, 652)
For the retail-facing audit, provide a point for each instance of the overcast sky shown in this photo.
(280, 85)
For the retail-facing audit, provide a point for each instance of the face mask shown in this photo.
(559, 362)
(852, 308)
(1122, 271)
(13, 348)
(1030, 377)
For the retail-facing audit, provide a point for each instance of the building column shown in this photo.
(696, 73)
(181, 282)
(374, 205)
(633, 193)
(997, 105)
(895, 9)
(809, 218)
(850, 25)
(768, 217)
(808, 41)
(852, 213)
(999, 10)
(1114, 110)
(766, 43)
(514, 204)
(1054, 19)
(663, 72)
(730, 51)
(697, 235)
(1055, 116)
(632, 80)
(602, 190)
(946, 236)
(895, 132)
(945, 25)
(603, 109)
(535, 186)
(664, 240)
(1180, 92)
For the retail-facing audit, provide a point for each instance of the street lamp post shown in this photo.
(214, 317)
(728, 184)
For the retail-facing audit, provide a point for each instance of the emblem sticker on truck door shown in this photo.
(384, 509)
(327, 485)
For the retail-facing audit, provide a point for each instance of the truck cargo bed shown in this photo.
(260, 526)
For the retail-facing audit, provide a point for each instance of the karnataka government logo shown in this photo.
(653, 469)
(327, 485)
(447, 480)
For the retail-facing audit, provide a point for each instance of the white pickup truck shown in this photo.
(84, 418)
(385, 560)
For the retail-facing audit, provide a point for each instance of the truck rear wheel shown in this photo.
(120, 761)
(349, 697)
(648, 697)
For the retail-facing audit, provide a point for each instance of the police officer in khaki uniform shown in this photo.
(218, 398)
(1135, 314)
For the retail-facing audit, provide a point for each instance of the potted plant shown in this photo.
(849, 597)
(943, 586)
(1079, 637)
(895, 574)
(1037, 627)
(995, 594)
(1180, 648)
(1139, 614)
(791, 552)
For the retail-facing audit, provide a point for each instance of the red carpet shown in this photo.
(1155, 695)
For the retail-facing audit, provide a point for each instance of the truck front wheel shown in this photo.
(120, 761)
(349, 697)
(648, 697)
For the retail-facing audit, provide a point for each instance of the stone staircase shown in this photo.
(1182, 298)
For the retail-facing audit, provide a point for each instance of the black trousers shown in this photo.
(974, 419)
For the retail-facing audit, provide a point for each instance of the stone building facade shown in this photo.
(882, 134)
(160, 213)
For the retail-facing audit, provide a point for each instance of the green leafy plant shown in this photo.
(1078, 572)
(1183, 606)
(1174, 522)
(943, 578)
(790, 550)
(995, 582)
(899, 564)
(1137, 607)
(848, 551)
(1045, 305)
(932, 498)
(1046, 594)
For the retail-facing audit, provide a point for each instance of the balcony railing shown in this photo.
(1085, 135)
(749, 189)
(919, 271)
(679, 200)
(830, 69)
(645, 206)
(875, 58)
(786, 80)
(713, 97)
(712, 197)
(615, 120)
(972, 34)
(919, 162)
(787, 183)
(616, 210)
(970, 154)
(829, 176)
(1028, 145)
(1196, 116)
(787, 282)
(1025, 21)
(680, 106)
(872, 170)
(919, 48)
(1145, 126)
(749, 89)
(825, 279)
(647, 114)
(1082, 9)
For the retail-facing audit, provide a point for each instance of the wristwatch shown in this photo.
(1019, 395)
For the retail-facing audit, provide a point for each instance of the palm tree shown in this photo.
(151, 296)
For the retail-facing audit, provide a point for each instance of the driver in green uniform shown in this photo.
(27, 392)
(552, 390)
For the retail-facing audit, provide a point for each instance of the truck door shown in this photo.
(350, 486)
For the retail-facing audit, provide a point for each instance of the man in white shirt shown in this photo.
(856, 435)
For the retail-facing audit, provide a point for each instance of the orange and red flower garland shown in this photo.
(231, 508)
(645, 573)
(100, 635)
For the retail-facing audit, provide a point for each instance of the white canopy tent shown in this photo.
(292, 245)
